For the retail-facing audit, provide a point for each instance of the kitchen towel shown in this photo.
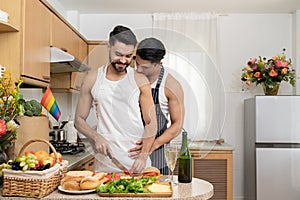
(49, 102)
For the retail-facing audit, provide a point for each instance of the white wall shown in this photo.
(296, 46)
(243, 36)
(98, 26)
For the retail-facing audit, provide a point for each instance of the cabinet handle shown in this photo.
(65, 50)
(46, 77)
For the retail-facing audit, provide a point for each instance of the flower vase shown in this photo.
(271, 89)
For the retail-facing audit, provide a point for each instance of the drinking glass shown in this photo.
(171, 154)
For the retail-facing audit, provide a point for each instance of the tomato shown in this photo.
(147, 174)
(128, 173)
(113, 176)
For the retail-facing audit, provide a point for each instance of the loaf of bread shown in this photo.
(99, 175)
(70, 185)
(83, 173)
(91, 182)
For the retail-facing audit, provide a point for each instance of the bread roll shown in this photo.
(151, 171)
(70, 185)
(89, 183)
(99, 175)
(73, 178)
(83, 173)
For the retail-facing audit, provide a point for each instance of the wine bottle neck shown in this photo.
(184, 146)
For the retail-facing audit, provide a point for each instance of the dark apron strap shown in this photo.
(157, 157)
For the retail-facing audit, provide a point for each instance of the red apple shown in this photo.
(48, 159)
(37, 166)
(58, 155)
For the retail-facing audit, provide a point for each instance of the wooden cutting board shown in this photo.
(152, 194)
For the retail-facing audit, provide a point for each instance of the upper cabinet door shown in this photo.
(64, 37)
(97, 55)
(36, 56)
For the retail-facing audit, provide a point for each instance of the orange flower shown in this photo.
(284, 71)
(273, 73)
(248, 83)
(257, 74)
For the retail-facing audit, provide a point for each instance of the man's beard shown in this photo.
(119, 69)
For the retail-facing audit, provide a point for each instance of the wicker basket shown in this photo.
(35, 184)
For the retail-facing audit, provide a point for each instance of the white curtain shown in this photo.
(191, 43)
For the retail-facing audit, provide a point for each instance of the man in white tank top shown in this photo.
(118, 94)
(168, 98)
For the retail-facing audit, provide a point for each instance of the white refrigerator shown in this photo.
(272, 148)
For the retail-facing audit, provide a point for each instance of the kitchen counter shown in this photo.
(197, 189)
(79, 159)
(206, 146)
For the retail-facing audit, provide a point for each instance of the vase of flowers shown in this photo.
(269, 72)
(10, 105)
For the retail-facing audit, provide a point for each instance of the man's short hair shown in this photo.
(122, 34)
(151, 49)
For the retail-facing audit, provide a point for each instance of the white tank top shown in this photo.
(163, 101)
(119, 117)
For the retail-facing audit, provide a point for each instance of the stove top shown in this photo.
(68, 148)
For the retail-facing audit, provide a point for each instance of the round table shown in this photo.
(197, 189)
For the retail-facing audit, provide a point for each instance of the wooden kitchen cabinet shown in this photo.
(7, 27)
(26, 52)
(78, 77)
(36, 41)
(10, 42)
(97, 54)
(88, 165)
(214, 166)
(63, 37)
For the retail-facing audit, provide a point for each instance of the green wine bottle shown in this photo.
(184, 161)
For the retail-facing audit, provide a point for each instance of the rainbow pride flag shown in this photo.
(49, 102)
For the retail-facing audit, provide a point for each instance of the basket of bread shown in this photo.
(33, 174)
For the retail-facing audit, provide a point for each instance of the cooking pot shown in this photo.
(58, 135)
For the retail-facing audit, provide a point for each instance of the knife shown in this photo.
(117, 163)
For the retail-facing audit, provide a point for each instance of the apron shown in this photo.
(158, 157)
(115, 102)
